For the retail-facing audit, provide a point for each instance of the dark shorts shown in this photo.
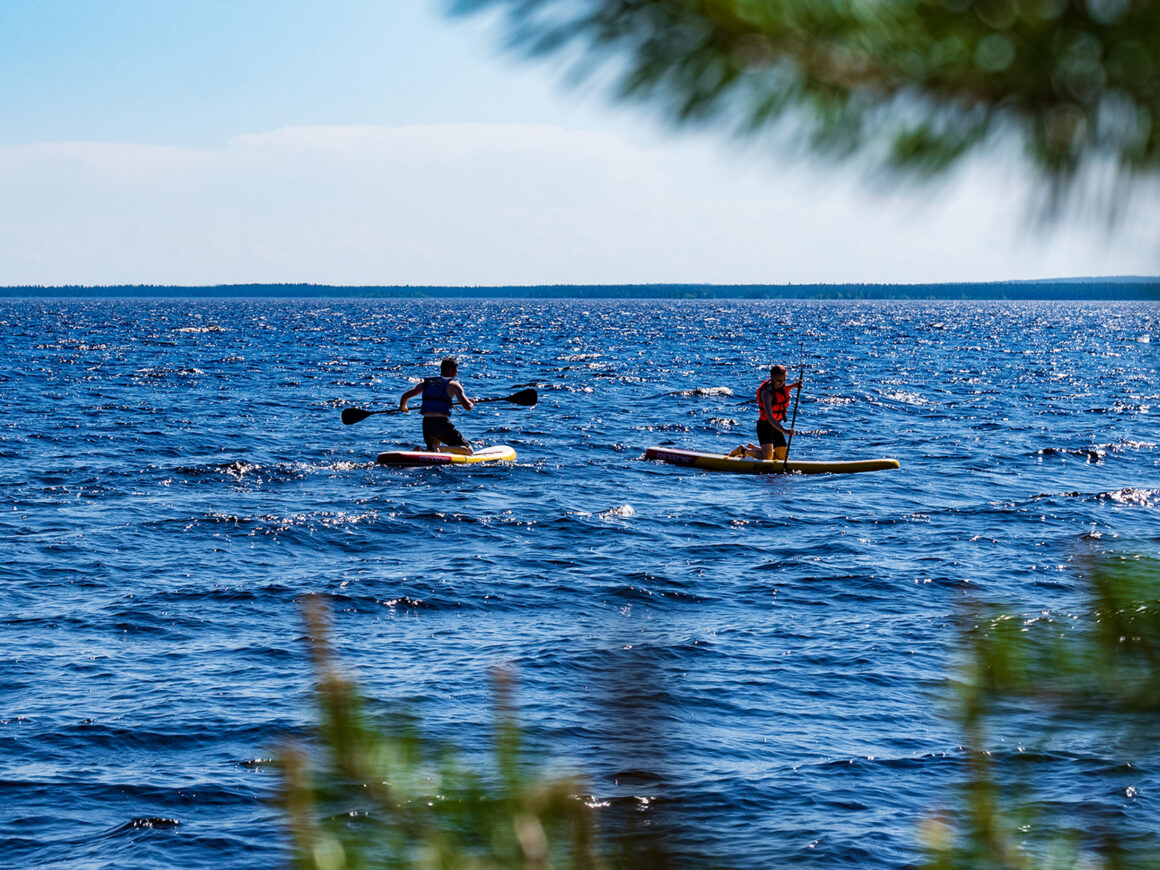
(439, 430)
(766, 434)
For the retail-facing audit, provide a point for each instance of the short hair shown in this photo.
(774, 371)
(448, 367)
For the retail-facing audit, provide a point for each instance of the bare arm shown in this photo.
(410, 394)
(457, 393)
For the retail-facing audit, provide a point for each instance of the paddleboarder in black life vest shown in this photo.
(772, 402)
(438, 393)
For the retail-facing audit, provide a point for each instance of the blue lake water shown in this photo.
(175, 478)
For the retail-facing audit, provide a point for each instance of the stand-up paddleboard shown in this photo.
(498, 453)
(745, 465)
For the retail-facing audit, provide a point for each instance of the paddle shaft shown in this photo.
(527, 398)
(793, 421)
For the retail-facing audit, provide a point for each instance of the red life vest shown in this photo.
(778, 402)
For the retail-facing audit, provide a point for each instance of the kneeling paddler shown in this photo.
(772, 403)
(439, 393)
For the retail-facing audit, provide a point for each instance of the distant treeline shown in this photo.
(1137, 288)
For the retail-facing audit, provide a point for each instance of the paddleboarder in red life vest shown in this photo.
(438, 393)
(772, 402)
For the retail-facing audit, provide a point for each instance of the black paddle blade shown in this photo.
(353, 415)
(527, 398)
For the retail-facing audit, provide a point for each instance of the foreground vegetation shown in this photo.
(913, 85)
(1057, 686)
(369, 792)
(383, 795)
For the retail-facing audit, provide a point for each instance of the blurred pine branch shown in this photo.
(915, 84)
(382, 795)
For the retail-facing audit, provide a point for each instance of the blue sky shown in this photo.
(360, 142)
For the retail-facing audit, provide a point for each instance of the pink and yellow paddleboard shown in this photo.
(498, 453)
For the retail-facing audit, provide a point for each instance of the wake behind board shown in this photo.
(720, 462)
(498, 453)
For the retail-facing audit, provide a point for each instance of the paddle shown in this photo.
(793, 422)
(527, 398)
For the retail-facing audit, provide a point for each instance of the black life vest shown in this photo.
(436, 396)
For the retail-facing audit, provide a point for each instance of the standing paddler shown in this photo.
(772, 403)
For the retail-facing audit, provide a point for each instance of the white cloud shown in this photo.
(508, 204)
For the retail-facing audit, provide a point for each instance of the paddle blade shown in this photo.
(353, 415)
(527, 398)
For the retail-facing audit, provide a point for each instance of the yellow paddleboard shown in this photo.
(721, 462)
